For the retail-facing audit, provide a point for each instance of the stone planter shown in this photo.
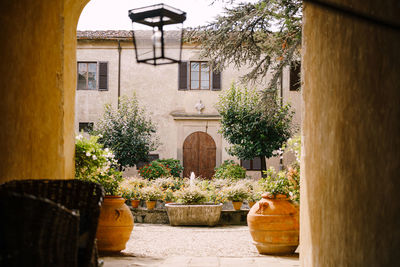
(204, 214)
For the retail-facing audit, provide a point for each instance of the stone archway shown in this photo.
(199, 155)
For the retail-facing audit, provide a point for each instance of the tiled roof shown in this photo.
(101, 35)
(112, 35)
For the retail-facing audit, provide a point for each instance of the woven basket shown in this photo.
(86, 197)
(36, 232)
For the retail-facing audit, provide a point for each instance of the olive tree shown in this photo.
(128, 131)
(248, 129)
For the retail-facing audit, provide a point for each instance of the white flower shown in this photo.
(79, 137)
(88, 154)
(94, 157)
(100, 135)
(106, 149)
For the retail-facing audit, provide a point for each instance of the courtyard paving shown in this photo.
(164, 245)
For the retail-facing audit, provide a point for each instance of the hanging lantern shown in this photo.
(163, 44)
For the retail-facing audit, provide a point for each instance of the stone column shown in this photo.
(350, 184)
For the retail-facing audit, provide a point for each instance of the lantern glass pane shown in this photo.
(150, 43)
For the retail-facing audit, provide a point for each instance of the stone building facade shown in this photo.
(180, 98)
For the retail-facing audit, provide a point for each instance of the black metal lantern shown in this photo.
(162, 45)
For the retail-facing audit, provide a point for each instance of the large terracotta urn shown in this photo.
(115, 225)
(274, 225)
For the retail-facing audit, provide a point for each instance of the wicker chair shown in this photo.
(36, 232)
(86, 197)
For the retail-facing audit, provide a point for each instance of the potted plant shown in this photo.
(274, 220)
(236, 193)
(151, 194)
(253, 197)
(168, 196)
(191, 208)
(97, 164)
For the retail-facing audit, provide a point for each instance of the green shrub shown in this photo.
(173, 164)
(230, 170)
(154, 170)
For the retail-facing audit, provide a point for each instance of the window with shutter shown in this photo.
(183, 82)
(103, 76)
(196, 75)
(295, 79)
(216, 84)
(87, 76)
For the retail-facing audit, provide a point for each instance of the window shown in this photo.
(86, 126)
(253, 164)
(92, 76)
(151, 158)
(295, 79)
(196, 75)
(199, 76)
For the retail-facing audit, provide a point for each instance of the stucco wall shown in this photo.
(350, 212)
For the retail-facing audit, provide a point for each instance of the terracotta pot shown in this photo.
(135, 203)
(274, 225)
(251, 204)
(151, 205)
(115, 224)
(237, 204)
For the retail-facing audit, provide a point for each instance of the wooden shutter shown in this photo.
(216, 81)
(295, 82)
(182, 76)
(103, 76)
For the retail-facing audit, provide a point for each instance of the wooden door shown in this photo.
(199, 155)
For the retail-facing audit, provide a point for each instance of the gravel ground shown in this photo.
(152, 240)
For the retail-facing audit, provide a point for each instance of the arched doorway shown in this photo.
(199, 155)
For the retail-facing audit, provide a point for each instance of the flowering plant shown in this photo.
(168, 195)
(130, 190)
(152, 193)
(190, 195)
(97, 164)
(238, 192)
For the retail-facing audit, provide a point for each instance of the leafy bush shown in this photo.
(230, 170)
(173, 164)
(96, 164)
(190, 195)
(154, 170)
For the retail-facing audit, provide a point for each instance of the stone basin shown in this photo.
(201, 214)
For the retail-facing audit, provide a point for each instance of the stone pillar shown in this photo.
(38, 74)
(350, 207)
